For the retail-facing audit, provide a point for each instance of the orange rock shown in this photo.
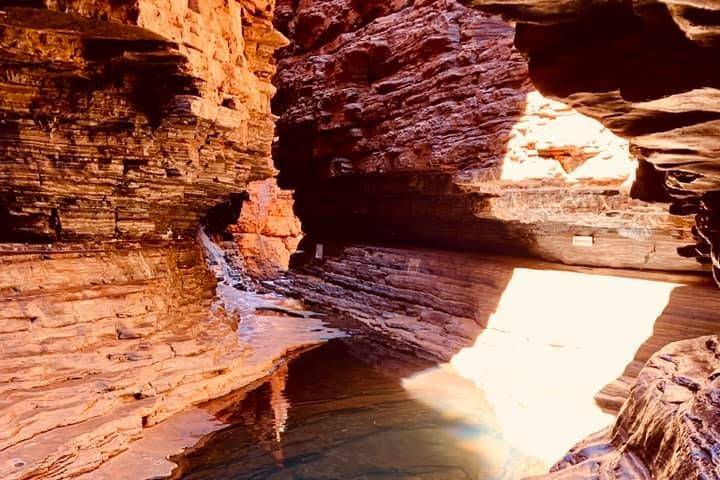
(268, 231)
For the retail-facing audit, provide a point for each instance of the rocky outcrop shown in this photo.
(131, 119)
(416, 123)
(668, 427)
(599, 58)
(267, 232)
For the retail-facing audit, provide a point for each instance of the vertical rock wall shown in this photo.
(267, 232)
(124, 126)
(132, 129)
(416, 123)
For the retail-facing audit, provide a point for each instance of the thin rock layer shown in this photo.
(124, 126)
(130, 119)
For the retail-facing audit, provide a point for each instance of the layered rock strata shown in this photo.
(123, 127)
(416, 123)
(130, 119)
(649, 71)
(439, 302)
(98, 343)
(267, 232)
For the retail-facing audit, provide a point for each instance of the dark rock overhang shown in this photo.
(650, 71)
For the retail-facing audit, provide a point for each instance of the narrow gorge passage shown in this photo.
(327, 239)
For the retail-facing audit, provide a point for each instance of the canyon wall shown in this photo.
(649, 71)
(419, 123)
(416, 123)
(124, 126)
(134, 127)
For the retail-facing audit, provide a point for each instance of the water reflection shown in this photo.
(264, 414)
(279, 402)
(338, 412)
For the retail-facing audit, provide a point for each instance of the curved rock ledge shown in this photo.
(667, 429)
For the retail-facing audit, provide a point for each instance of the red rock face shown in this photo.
(131, 129)
(417, 124)
(668, 427)
(598, 58)
(672, 121)
(124, 125)
(267, 232)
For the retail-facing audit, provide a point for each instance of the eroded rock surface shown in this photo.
(123, 127)
(99, 343)
(416, 123)
(667, 428)
(649, 70)
(267, 232)
(134, 127)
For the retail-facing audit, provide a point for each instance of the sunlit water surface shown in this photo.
(340, 412)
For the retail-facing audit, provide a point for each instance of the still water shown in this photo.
(340, 412)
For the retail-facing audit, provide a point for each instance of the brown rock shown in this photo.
(667, 428)
(132, 128)
(417, 124)
(600, 57)
(122, 125)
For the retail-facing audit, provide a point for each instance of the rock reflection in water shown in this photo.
(264, 414)
(336, 413)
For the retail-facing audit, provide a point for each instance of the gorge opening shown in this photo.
(358, 239)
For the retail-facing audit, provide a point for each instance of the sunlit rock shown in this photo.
(267, 232)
